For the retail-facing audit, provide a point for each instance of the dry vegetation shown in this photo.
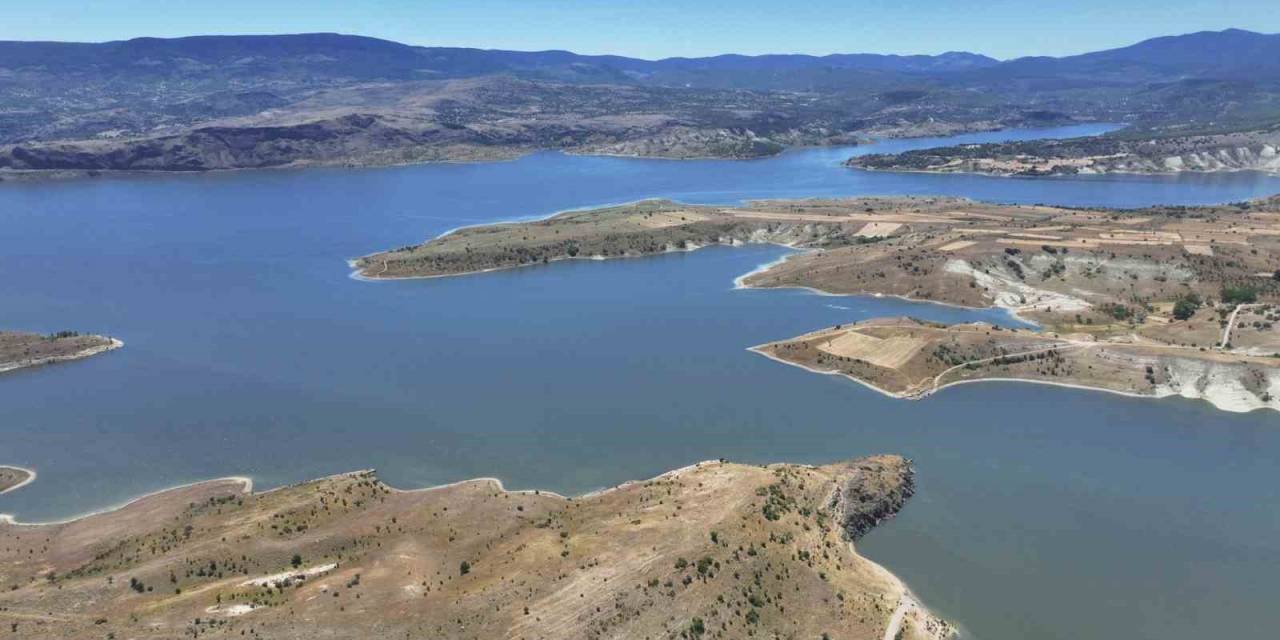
(20, 349)
(715, 550)
(910, 358)
(1146, 297)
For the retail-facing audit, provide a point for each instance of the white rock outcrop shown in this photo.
(1222, 385)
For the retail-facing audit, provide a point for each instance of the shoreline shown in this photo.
(921, 395)
(31, 477)
(906, 601)
(7, 519)
(1013, 313)
(758, 350)
(357, 275)
(247, 487)
(908, 608)
(987, 174)
(739, 282)
(112, 345)
(30, 176)
(501, 154)
(1049, 383)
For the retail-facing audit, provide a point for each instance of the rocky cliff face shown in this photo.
(876, 489)
(1263, 157)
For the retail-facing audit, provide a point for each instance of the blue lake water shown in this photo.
(1041, 512)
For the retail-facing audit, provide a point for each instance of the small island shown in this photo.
(745, 550)
(12, 478)
(1152, 302)
(20, 349)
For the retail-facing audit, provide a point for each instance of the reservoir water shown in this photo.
(1041, 512)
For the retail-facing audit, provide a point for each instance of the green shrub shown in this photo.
(1186, 306)
(697, 628)
(1239, 294)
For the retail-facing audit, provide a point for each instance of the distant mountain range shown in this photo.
(441, 102)
(329, 56)
(1229, 54)
(1222, 55)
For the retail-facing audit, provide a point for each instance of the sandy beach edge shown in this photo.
(248, 488)
(31, 477)
(112, 344)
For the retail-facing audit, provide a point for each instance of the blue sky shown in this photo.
(660, 28)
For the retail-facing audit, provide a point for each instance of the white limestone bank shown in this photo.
(1229, 387)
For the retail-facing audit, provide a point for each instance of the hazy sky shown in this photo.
(660, 28)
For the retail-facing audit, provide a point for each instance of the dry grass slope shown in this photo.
(714, 550)
(21, 349)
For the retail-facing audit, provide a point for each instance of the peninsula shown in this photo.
(22, 349)
(1126, 152)
(1153, 302)
(11, 478)
(710, 550)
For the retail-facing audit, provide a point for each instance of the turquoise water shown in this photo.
(1041, 512)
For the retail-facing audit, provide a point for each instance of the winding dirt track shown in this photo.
(905, 605)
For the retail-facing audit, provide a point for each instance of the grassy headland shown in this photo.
(711, 550)
(22, 349)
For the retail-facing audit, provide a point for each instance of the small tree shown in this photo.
(464, 568)
(704, 565)
(296, 561)
(1186, 306)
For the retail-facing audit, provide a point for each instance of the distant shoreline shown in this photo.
(496, 154)
(1051, 176)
